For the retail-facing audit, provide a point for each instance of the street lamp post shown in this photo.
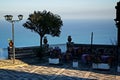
(9, 18)
(117, 20)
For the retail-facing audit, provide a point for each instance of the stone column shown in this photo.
(117, 20)
(69, 44)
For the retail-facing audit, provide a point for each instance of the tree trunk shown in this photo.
(41, 41)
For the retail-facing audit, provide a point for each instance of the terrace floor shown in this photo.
(42, 70)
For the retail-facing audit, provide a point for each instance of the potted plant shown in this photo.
(54, 57)
(75, 62)
(98, 64)
(95, 63)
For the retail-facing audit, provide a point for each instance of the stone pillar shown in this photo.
(45, 45)
(117, 20)
(69, 44)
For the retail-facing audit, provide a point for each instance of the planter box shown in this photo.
(53, 60)
(94, 65)
(75, 64)
(100, 66)
(118, 69)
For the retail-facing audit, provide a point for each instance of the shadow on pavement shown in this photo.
(82, 67)
(6, 74)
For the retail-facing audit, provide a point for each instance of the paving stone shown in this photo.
(55, 72)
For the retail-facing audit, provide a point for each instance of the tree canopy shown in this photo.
(43, 22)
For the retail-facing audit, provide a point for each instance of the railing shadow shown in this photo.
(82, 66)
(6, 74)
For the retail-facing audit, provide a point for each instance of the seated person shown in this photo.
(86, 57)
(108, 57)
(55, 53)
(79, 52)
(69, 54)
(59, 52)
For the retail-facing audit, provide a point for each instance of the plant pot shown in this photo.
(53, 60)
(95, 65)
(118, 68)
(101, 66)
(75, 64)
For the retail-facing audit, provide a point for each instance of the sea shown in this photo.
(104, 32)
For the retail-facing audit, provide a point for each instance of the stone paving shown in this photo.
(45, 71)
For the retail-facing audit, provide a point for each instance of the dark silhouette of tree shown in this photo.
(43, 22)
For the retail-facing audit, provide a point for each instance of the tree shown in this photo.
(44, 23)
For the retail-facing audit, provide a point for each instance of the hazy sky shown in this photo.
(67, 9)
